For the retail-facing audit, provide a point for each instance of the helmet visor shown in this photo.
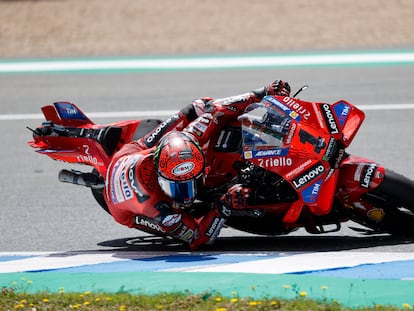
(182, 192)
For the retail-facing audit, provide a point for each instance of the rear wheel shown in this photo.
(394, 201)
(98, 194)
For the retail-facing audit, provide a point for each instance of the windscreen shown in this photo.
(264, 127)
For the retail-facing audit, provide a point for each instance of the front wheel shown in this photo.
(394, 199)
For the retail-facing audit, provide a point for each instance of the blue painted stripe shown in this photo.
(163, 263)
(11, 258)
(383, 271)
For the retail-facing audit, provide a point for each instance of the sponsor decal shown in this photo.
(248, 155)
(120, 187)
(68, 111)
(170, 220)
(339, 158)
(134, 183)
(112, 180)
(342, 112)
(367, 174)
(200, 127)
(87, 157)
(297, 107)
(298, 169)
(149, 223)
(228, 139)
(283, 107)
(159, 130)
(184, 233)
(270, 152)
(232, 100)
(330, 173)
(275, 162)
(310, 194)
(183, 168)
(125, 187)
(291, 132)
(308, 176)
(330, 119)
(202, 123)
(215, 227)
(220, 139)
(376, 214)
(330, 150)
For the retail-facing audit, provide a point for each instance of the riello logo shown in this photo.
(311, 174)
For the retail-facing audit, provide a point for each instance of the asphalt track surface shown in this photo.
(38, 213)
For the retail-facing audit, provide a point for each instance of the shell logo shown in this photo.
(376, 214)
(183, 168)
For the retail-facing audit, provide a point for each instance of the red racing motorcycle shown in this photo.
(291, 153)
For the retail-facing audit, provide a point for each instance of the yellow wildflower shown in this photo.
(18, 306)
(253, 303)
(303, 294)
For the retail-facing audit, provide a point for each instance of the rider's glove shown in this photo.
(279, 88)
(236, 196)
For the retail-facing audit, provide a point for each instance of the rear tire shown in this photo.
(395, 196)
(99, 195)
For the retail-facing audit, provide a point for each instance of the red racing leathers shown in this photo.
(132, 193)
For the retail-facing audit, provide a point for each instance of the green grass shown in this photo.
(12, 299)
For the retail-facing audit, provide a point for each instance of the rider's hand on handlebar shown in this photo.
(236, 196)
(279, 87)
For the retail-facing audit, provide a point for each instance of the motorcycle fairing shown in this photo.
(305, 149)
(360, 175)
(343, 120)
(70, 136)
(66, 114)
(74, 150)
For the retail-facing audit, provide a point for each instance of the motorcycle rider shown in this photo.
(151, 182)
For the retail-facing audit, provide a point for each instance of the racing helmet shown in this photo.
(179, 163)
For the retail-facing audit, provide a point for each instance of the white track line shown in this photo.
(166, 113)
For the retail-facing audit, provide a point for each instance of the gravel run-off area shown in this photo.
(78, 28)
